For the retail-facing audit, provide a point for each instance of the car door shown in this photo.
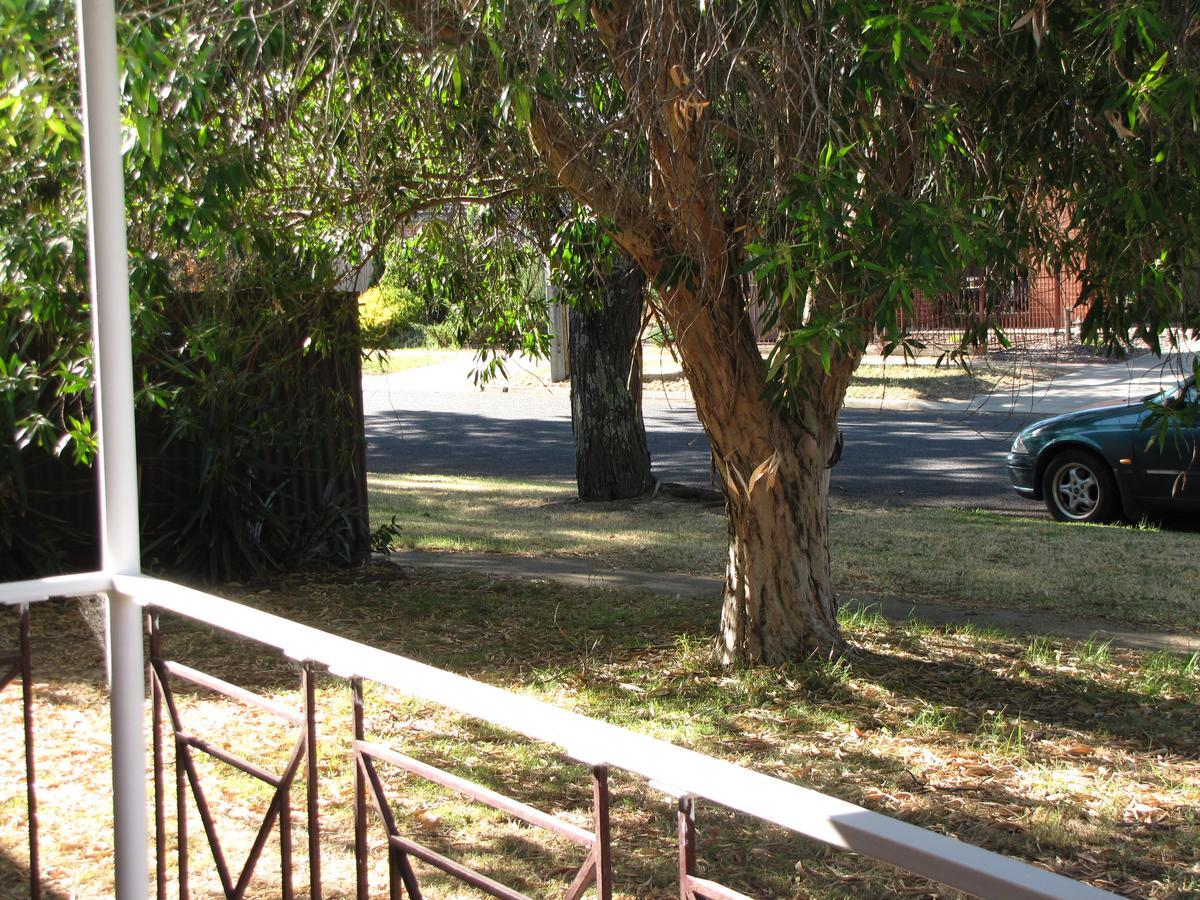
(1169, 470)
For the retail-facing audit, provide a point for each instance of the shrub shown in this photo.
(386, 311)
(438, 335)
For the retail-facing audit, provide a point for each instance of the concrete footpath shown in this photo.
(1078, 383)
(1071, 386)
(579, 574)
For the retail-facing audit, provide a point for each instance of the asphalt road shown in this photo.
(899, 458)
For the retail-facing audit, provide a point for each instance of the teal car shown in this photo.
(1098, 465)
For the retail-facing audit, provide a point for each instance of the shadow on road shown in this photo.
(452, 443)
(891, 458)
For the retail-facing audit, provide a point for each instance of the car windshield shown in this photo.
(1185, 391)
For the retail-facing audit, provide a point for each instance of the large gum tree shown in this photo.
(829, 160)
(850, 157)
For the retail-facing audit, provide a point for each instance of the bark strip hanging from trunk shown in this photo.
(778, 601)
(778, 604)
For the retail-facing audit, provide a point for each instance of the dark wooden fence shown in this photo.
(309, 496)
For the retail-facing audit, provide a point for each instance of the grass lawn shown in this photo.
(1076, 755)
(957, 557)
(413, 358)
(898, 381)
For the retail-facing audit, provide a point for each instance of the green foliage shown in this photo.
(582, 255)
(386, 312)
(383, 536)
(438, 336)
(1068, 137)
(480, 285)
(211, 206)
(45, 362)
(886, 216)
(1137, 208)
(262, 411)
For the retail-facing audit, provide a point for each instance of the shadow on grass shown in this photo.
(1047, 697)
(503, 630)
(14, 880)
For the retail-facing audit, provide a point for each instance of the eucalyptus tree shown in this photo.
(360, 132)
(853, 156)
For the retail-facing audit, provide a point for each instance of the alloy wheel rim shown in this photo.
(1076, 491)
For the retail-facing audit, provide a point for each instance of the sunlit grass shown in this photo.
(536, 518)
(383, 362)
(965, 558)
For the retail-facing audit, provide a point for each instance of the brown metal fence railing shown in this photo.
(595, 870)
(682, 774)
(163, 673)
(1034, 312)
(19, 664)
(1037, 311)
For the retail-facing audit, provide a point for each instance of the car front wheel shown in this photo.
(1078, 487)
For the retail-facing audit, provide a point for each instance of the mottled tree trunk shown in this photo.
(778, 603)
(772, 457)
(612, 461)
(769, 453)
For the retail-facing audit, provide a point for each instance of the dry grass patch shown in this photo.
(897, 381)
(545, 518)
(1077, 756)
(979, 559)
(965, 558)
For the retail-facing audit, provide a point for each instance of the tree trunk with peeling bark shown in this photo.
(612, 461)
(772, 457)
(778, 603)
(662, 167)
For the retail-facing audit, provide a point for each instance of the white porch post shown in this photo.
(120, 548)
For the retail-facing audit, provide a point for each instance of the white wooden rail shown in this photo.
(675, 770)
(16, 593)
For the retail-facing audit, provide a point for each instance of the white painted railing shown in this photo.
(675, 770)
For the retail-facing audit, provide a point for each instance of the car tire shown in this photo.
(1079, 487)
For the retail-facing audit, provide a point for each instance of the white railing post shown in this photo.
(120, 548)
